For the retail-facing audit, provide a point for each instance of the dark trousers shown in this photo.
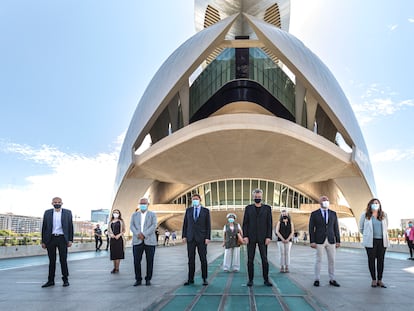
(58, 242)
(410, 247)
(98, 240)
(377, 252)
(251, 251)
(138, 250)
(202, 253)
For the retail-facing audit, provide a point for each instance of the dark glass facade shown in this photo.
(248, 64)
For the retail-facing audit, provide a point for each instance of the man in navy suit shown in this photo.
(324, 234)
(257, 229)
(57, 232)
(196, 232)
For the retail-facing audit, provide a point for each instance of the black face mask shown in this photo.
(257, 200)
(284, 217)
(57, 206)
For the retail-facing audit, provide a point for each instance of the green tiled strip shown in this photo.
(228, 291)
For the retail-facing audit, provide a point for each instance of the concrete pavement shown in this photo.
(94, 288)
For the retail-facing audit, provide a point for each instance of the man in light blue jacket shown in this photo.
(143, 226)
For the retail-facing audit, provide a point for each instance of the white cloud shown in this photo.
(84, 183)
(392, 27)
(411, 20)
(393, 155)
(378, 101)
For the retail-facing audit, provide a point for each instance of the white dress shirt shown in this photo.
(57, 222)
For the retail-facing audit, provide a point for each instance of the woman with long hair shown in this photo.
(374, 228)
(116, 231)
(284, 232)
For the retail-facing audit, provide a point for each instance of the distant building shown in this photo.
(20, 224)
(100, 215)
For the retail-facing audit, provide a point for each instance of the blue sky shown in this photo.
(72, 73)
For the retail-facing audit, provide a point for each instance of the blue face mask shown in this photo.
(410, 225)
(143, 207)
(231, 220)
(374, 206)
(196, 202)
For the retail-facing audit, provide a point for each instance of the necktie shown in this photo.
(325, 216)
(196, 213)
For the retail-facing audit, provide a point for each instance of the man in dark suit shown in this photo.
(257, 229)
(324, 234)
(196, 232)
(57, 232)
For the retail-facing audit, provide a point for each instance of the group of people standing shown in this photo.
(255, 232)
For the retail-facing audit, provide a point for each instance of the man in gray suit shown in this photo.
(143, 226)
(57, 232)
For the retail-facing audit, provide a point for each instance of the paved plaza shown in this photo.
(92, 287)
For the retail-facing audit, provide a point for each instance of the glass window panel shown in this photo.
(230, 192)
(207, 194)
(270, 192)
(255, 185)
(262, 185)
(276, 195)
(214, 198)
(246, 192)
(283, 195)
(222, 192)
(238, 192)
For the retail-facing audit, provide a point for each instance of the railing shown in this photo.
(30, 240)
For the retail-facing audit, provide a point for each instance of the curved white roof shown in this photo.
(316, 76)
(307, 67)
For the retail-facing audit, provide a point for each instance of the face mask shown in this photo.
(257, 200)
(374, 206)
(196, 202)
(116, 215)
(143, 207)
(410, 225)
(284, 217)
(325, 204)
(57, 206)
(231, 220)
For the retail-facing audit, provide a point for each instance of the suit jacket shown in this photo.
(366, 228)
(319, 230)
(199, 230)
(47, 226)
(150, 225)
(257, 226)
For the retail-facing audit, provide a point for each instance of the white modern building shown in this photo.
(243, 104)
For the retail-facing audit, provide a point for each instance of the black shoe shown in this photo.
(334, 283)
(138, 283)
(48, 284)
(65, 283)
(205, 283)
(267, 283)
(250, 283)
(147, 282)
(189, 282)
(316, 283)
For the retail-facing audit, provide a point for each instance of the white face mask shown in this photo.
(325, 204)
(116, 215)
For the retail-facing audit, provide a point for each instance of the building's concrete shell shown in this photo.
(241, 140)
